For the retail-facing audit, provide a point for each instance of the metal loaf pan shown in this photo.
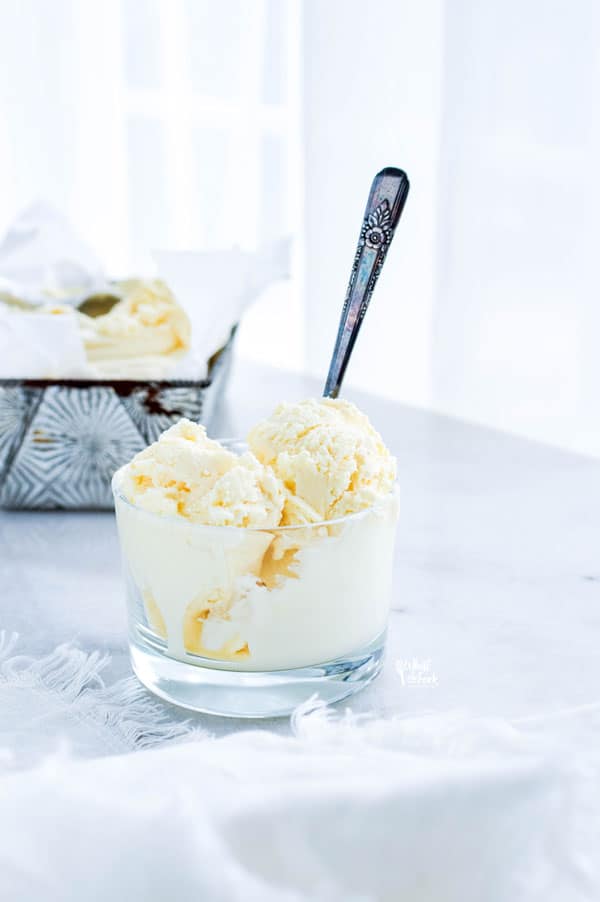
(61, 441)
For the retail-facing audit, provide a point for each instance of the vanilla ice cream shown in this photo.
(328, 456)
(141, 337)
(188, 474)
(276, 558)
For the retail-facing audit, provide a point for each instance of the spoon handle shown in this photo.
(384, 208)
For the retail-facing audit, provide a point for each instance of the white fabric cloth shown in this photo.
(60, 702)
(434, 809)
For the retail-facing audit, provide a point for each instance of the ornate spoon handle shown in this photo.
(384, 208)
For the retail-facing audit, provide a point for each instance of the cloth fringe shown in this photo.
(125, 711)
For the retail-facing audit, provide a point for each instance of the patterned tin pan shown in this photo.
(61, 441)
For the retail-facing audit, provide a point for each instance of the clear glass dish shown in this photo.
(252, 622)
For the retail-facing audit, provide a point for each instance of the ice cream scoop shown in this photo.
(329, 458)
(187, 474)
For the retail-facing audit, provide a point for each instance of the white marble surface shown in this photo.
(497, 582)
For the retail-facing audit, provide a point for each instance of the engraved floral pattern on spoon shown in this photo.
(376, 232)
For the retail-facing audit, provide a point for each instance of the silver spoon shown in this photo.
(384, 208)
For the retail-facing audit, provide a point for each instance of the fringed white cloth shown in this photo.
(62, 698)
(419, 809)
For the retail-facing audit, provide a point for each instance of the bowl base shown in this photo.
(253, 694)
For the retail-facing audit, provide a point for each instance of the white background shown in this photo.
(193, 124)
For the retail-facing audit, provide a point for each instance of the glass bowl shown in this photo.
(247, 622)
